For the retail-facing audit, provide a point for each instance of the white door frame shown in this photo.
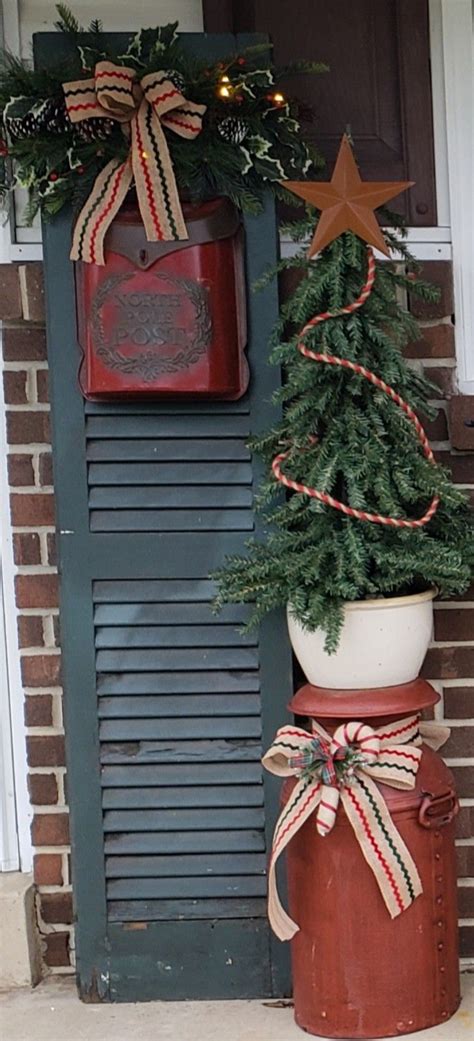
(456, 34)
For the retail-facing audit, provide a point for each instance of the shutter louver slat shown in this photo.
(179, 726)
(164, 910)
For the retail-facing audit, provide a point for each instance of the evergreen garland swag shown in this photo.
(350, 440)
(250, 138)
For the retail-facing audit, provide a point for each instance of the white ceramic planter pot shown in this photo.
(383, 643)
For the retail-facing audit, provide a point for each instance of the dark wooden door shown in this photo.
(378, 85)
(167, 706)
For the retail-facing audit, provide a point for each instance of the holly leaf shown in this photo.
(90, 56)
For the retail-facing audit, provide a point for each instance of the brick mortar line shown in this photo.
(31, 489)
(436, 363)
(430, 323)
(43, 731)
(27, 365)
(451, 684)
(63, 850)
(28, 447)
(36, 652)
(53, 689)
(452, 605)
(29, 407)
(33, 569)
(437, 644)
(40, 529)
(42, 770)
(54, 888)
(459, 722)
(51, 810)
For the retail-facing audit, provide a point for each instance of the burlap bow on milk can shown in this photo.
(344, 767)
(144, 107)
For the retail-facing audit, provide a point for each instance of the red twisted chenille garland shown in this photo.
(331, 359)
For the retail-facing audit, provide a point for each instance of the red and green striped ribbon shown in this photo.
(361, 756)
(143, 108)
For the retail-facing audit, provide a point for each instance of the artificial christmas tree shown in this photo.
(371, 514)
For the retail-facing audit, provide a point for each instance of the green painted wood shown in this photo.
(199, 590)
(192, 955)
(187, 820)
(175, 449)
(164, 910)
(182, 727)
(182, 796)
(170, 473)
(168, 614)
(205, 751)
(229, 886)
(193, 705)
(172, 520)
(178, 683)
(188, 774)
(227, 840)
(191, 864)
(151, 571)
(183, 658)
(172, 636)
(149, 496)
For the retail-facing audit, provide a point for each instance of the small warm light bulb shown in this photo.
(225, 79)
(224, 92)
(279, 99)
(145, 155)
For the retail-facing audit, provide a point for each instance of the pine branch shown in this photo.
(67, 21)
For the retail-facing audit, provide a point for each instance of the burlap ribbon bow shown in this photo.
(343, 767)
(144, 107)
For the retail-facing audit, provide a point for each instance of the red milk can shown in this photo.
(357, 972)
(166, 319)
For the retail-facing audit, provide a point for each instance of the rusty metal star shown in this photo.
(347, 203)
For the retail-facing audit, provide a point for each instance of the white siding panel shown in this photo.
(39, 15)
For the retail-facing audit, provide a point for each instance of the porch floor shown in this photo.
(52, 1012)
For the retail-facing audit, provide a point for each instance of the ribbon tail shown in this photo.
(303, 800)
(155, 182)
(381, 844)
(434, 734)
(107, 195)
(327, 809)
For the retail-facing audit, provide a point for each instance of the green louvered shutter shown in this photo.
(167, 705)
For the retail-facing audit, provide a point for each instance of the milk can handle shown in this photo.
(437, 810)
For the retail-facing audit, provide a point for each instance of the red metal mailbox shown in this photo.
(166, 319)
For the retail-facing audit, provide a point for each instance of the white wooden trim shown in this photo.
(9, 852)
(429, 249)
(24, 811)
(439, 114)
(457, 28)
(11, 25)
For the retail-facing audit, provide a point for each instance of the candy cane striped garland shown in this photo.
(360, 370)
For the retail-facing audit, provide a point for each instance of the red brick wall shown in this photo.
(25, 383)
(449, 664)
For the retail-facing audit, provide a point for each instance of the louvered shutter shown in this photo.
(167, 705)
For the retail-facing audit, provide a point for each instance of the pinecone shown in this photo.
(95, 128)
(233, 129)
(178, 80)
(40, 117)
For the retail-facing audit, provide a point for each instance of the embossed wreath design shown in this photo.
(148, 364)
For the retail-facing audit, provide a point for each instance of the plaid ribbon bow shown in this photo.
(344, 768)
(143, 107)
(318, 757)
